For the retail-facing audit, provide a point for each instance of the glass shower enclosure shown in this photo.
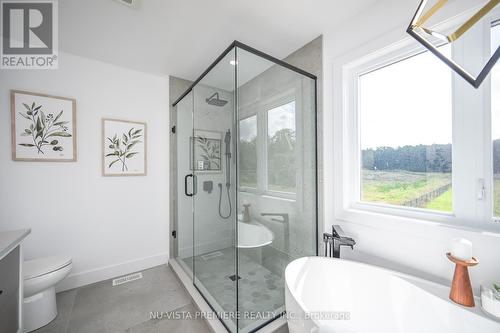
(247, 185)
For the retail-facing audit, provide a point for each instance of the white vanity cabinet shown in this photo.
(11, 280)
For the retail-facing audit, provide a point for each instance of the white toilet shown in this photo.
(40, 277)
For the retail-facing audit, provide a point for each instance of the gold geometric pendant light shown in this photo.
(418, 30)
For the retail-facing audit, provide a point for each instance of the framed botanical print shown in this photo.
(43, 127)
(123, 148)
(205, 151)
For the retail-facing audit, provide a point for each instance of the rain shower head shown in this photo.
(215, 100)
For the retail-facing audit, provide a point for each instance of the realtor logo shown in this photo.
(29, 35)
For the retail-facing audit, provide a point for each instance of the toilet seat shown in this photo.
(42, 266)
(40, 278)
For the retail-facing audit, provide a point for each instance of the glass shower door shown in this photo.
(214, 167)
(184, 174)
(247, 165)
(277, 182)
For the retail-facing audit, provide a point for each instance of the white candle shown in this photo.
(461, 249)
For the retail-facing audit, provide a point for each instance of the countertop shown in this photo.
(10, 239)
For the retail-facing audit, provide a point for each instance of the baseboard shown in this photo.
(108, 272)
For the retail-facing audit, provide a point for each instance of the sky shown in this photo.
(278, 118)
(281, 117)
(409, 103)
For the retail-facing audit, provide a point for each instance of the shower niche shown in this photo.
(246, 201)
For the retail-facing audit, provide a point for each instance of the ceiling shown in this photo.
(182, 37)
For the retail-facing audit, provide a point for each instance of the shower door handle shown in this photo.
(193, 177)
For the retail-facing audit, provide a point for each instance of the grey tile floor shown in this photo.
(126, 308)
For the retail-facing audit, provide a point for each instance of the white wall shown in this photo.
(416, 247)
(108, 225)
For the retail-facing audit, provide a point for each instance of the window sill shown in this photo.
(414, 225)
(270, 195)
(408, 212)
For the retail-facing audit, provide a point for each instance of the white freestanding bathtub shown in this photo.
(332, 295)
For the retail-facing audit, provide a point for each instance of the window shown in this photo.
(415, 140)
(268, 147)
(281, 142)
(248, 152)
(406, 141)
(495, 115)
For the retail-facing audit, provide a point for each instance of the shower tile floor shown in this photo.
(261, 292)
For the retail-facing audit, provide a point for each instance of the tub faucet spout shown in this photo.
(335, 240)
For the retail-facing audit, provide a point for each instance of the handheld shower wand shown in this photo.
(227, 141)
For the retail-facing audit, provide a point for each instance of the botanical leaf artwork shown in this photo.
(122, 147)
(43, 127)
(44, 131)
(209, 151)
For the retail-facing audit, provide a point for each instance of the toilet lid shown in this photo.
(41, 266)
